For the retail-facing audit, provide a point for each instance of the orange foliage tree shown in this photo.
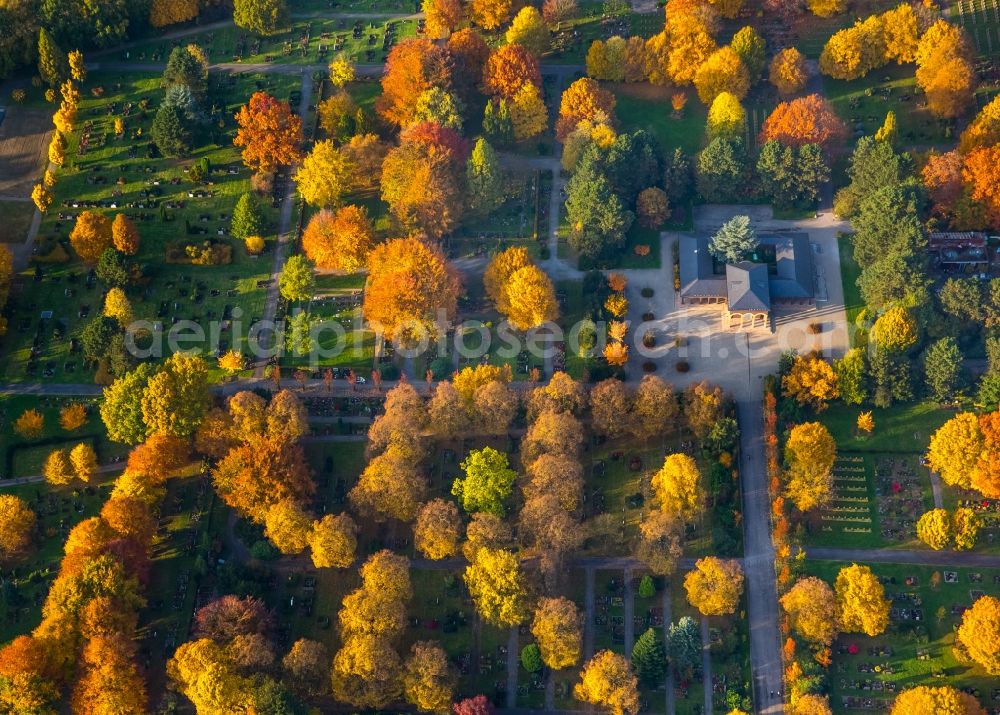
(412, 67)
(91, 235)
(584, 99)
(271, 136)
(410, 286)
(942, 175)
(421, 186)
(806, 120)
(510, 68)
(982, 176)
(944, 69)
(442, 17)
(339, 241)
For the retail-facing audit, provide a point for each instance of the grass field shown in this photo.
(920, 652)
(899, 429)
(645, 106)
(15, 220)
(853, 303)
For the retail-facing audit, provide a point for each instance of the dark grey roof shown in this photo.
(793, 278)
(747, 287)
(698, 278)
(793, 256)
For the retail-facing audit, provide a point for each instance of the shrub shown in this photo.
(683, 366)
(255, 245)
(641, 249)
(647, 292)
(19, 95)
(531, 658)
(648, 339)
(649, 366)
(815, 328)
(646, 317)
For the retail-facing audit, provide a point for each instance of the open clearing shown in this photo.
(24, 135)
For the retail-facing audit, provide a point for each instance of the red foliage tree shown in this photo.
(271, 136)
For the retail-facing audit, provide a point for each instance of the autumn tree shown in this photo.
(73, 416)
(409, 284)
(827, 8)
(17, 521)
(391, 485)
(944, 699)
(979, 633)
(788, 72)
(726, 117)
(325, 175)
(979, 173)
(652, 207)
(124, 235)
(557, 628)
(810, 453)
(307, 666)
(57, 468)
(412, 67)
(854, 51)
(491, 14)
(986, 474)
(723, 71)
(528, 30)
(610, 407)
(528, 113)
(90, 236)
(806, 120)
(159, 456)
(111, 682)
(255, 476)
(944, 69)
(983, 130)
(479, 705)
(84, 461)
(654, 407)
(955, 448)
(812, 608)
(607, 681)
(287, 525)
(560, 394)
(496, 584)
(677, 486)
(934, 528)
(442, 17)
(437, 529)
(171, 12)
(421, 186)
(895, 331)
(333, 541)
(269, 134)
(752, 51)
(714, 586)
(861, 603)
(176, 397)
(811, 381)
(508, 69)
(702, 405)
(428, 678)
(585, 99)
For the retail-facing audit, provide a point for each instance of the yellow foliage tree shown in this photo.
(944, 700)
(333, 541)
(73, 417)
(57, 148)
(117, 306)
(84, 461)
(77, 65)
(866, 423)
(91, 236)
(124, 235)
(811, 381)
(901, 33)
(854, 51)
(17, 521)
(944, 69)
(30, 424)
(325, 175)
(934, 528)
(170, 12)
(496, 585)
(678, 487)
(984, 130)
(232, 362)
(528, 30)
(895, 331)
(979, 633)
(714, 586)
(723, 71)
(811, 605)
(810, 453)
(428, 679)
(287, 525)
(556, 627)
(57, 468)
(528, 112)
(955, 448)
(616, 353)
(530, 298)
(726, 116)
(788, 72)
(339, 241)
(827, 8)
(607, 681)
(437, 529)
(341, 71)
(42, 197)
(861, 603)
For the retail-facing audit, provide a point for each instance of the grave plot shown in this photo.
(609, 611)
(849, 517)
(901, 486)
(988, 511)
(927, 604)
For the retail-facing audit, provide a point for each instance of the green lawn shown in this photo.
(122, 175)
(15, 218)
(899, 429)
(920, 652)
(644, 106)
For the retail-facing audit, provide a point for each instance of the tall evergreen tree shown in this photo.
(497, 122)
(484, 178)
(170, 131)
(684, 638)
(649, 657)
(53, 66)
(248, 217)
(943, 369)
(722, 170)
(596, 215)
